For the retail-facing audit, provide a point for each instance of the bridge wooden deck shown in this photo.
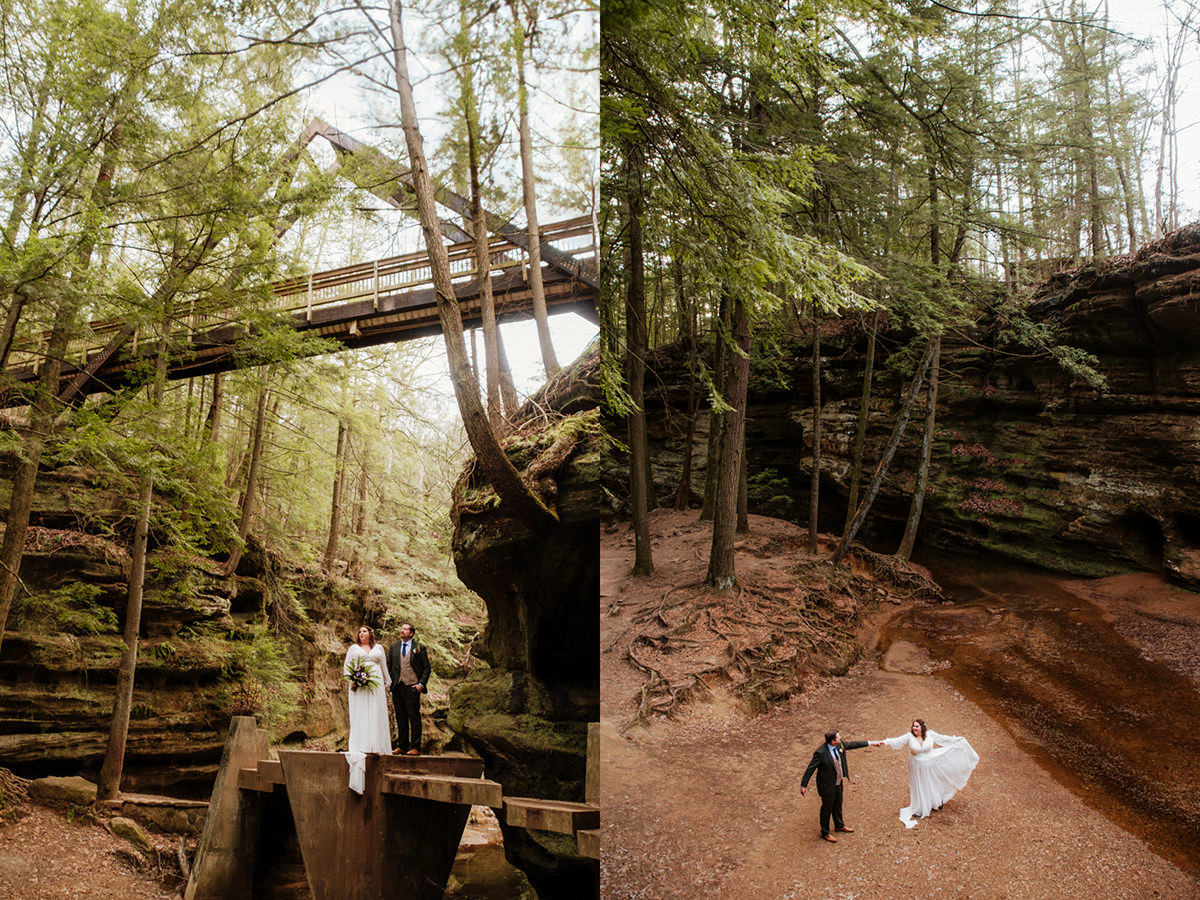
(398, 839)
(363, 305)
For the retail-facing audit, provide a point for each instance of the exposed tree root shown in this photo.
(762, 639)
(13, 793)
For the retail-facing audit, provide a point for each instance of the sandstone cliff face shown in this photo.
(202, 654)
(527, 715)
(1026, 464)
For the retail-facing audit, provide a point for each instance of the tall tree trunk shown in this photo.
(508, 390)
(918, 499)
(513, 492)
(860, 514)
(213, 422)
(684, 492)
(716, 421)
(635, 367)
(358, 514)
(814, 484)
(483, 274)
(12, 316)
(721, 572)
(335, 511)
(360, 496)
(743, 494)
(33, 444)
(118, 731)
(864, 413)
(540, 316)
(934, 215)
(44, 407)
(249, 497)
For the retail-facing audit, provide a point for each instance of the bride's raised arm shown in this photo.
(942, 739)
(895, 743)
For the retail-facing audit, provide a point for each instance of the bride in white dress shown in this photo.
(369, 730)
(938, 768)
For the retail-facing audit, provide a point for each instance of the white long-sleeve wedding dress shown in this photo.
(938, 768)
(369, 731)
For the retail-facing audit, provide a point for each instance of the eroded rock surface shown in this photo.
(527, 715)
(1027, 463)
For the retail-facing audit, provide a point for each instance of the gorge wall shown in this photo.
(527, 715)
(1027, 463)
(267, 641)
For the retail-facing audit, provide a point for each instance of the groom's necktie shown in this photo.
(404, 649)
(837, 766)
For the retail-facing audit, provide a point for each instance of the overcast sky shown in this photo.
(356, 106)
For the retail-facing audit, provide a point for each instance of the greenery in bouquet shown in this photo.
(360, 675)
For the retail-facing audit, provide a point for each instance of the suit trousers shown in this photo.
(831, 805)
(407, 700)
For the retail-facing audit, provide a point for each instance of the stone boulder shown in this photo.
(130, 831)
(58, 789)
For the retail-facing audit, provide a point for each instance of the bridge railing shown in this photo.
(304, 295)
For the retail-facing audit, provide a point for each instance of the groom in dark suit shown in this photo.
(829, 762)
(408, 664)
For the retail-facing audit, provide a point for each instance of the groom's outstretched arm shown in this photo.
(854, 745)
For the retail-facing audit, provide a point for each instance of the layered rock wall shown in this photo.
(1028, 463)
(200, 654)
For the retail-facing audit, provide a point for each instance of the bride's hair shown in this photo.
(370, 634)
(920, 722)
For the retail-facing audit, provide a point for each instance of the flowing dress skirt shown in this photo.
(369, 730)
(936, 776)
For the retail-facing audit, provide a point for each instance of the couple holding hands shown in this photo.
(938, 767)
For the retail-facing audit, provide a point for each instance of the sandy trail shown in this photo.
(707, 804)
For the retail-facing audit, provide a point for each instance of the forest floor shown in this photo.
(706, 803)
(47, 857)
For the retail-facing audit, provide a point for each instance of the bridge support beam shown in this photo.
(377, 845)
(224, 865)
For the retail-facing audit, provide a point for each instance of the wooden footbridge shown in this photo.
(383, 301)
(397, 840)
(362, 305)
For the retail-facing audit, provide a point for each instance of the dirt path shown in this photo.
(707, 805)
(44, 856)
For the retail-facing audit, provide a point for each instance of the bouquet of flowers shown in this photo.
(360, 675)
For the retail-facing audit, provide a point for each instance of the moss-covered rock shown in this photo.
(71, 790)
(130, 831)
(527, 716)
(1027, 462)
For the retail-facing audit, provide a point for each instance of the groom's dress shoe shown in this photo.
(829, 837)
(845, 829)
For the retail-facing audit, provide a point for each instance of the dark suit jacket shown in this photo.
(822, 764)
(418, 657)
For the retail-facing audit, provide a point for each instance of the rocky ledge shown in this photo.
(527, 715)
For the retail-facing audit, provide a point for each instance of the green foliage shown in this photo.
(70, 609)
(772, 490)
(1017, 330)
(260, 679)
(446, 619)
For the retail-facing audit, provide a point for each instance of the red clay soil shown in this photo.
(707, 803)
(45, 857)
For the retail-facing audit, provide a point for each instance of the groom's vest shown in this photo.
(407, 674)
